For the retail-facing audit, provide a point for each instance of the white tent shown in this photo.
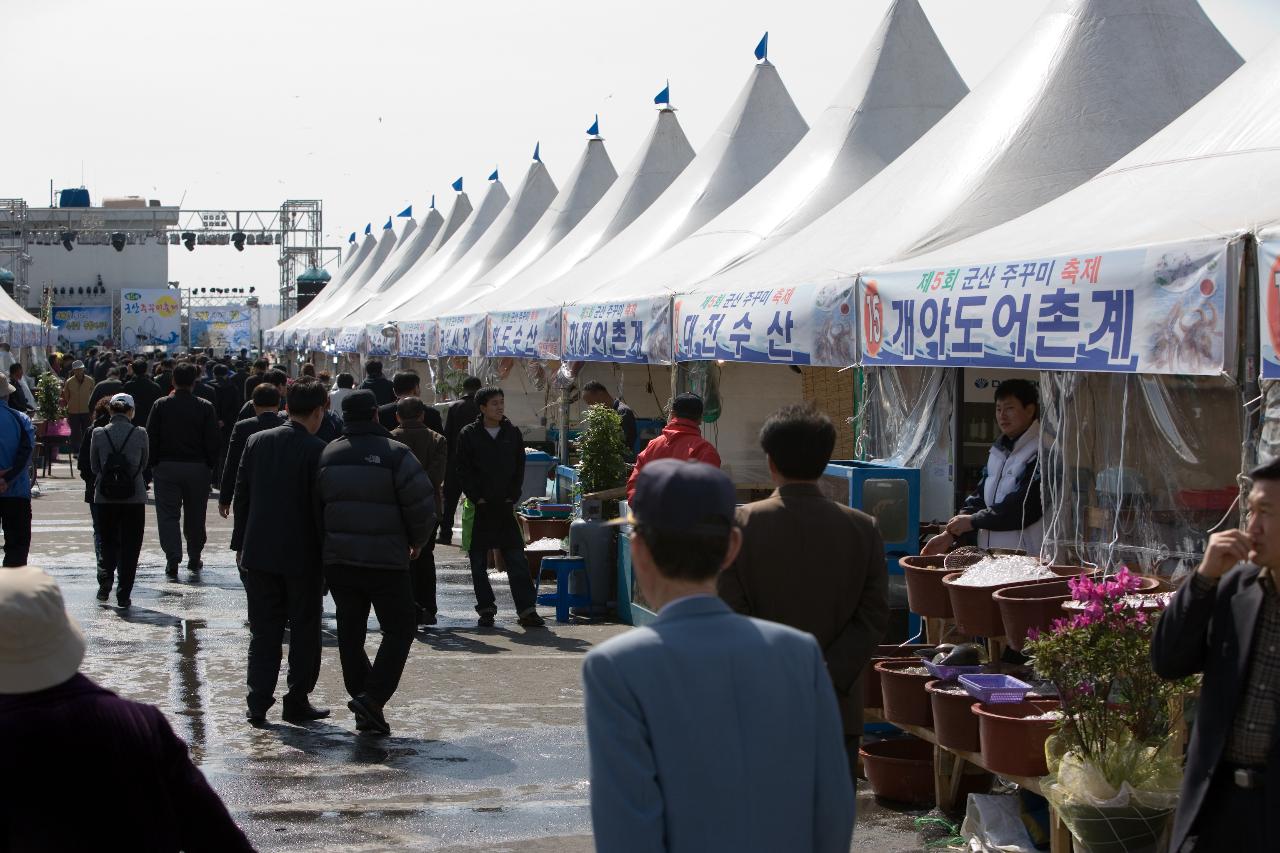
(411, 248)
(903, 84)
(302, 320)
(1092, 80)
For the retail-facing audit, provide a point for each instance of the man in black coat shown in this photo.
(378, 514)
(266, 407)
(491, 471)
(377, 383)
(406, 383)
(461, 413)
(250, 380)
(275, 377)
(595, 393)
(277, 539)
(226, 402)
(183, 432)
(1225, 623)
(110, 386)
(144, 392)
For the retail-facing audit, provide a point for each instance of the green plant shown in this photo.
(49, 397)
(601, 450)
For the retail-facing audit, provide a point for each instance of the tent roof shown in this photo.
(410, 249)
(1091, 80)
(388, 242)
(352, 264)
(901, 86)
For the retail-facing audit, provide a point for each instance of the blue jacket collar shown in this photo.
(692, 607)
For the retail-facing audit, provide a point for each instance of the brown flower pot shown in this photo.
(904, 698)
(1032, 605)
(954, 723)
(901, 769)
(925, 593)
(1011, 744)
(975, 612)
(872, 696)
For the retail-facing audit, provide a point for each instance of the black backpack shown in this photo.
(116, 481)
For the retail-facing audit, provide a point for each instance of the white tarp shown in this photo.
(1091, 81)
(301, 320)
(339, 304)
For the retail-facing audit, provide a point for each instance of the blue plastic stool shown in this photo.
(561, 598)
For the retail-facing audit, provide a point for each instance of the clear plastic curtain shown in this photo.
(906, 413)
(1139, 470)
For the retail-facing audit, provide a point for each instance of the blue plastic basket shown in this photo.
(995, 689)
(949, 673)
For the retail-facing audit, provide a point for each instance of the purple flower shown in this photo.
(1033, 634)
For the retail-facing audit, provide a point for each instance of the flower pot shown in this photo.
(905, 701)
(1011, 744)
(872, 696)
(976, 613)
(1131, 828)
(1032, 605)
(925, 593)
(901, 769)
(543, 528)
(1064, 571)
(954, 722)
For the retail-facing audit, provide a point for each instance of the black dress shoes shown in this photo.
(369, 718)
(302, 712)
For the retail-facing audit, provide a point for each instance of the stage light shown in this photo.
(189, 240)
(118, 240)
(81, 291)
(237, 240)
(67, 237)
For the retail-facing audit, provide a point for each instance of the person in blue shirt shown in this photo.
(17, 438)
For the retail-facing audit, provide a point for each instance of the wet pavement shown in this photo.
(487, 749)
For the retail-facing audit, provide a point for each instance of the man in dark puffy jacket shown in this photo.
(491, 471)
(378, 513)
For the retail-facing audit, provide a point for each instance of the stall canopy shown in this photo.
(901, 86)
(413, 247)
(18, 328)
(1092, 80)
(302, 319)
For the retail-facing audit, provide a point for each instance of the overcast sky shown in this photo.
(377, 105)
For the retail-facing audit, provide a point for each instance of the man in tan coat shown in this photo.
(432, 450)
(811, 563)
(77, 392)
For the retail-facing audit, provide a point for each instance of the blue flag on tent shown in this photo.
(388, 225)
(352, 238)
(407, 213)
(457, 185)
(762, 49)
(537, 153)
(594, 130)
(494, 176)
(433, 201)
(664, 97)
(368, 228)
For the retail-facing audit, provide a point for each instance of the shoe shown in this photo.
(104, 593)
(302, 712)
(124, 601)
(427, 620)
(195, 566)
(445, 538)
(486, 620)
(171, 570)
(257, 719)
(369, 715)
(531, 619)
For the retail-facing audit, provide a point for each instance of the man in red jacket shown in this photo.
(681, 439)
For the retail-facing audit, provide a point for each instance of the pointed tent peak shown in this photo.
(594, 130)
(352, 238)
(407, 213)
(433, 201)
(494, 176)
(762, 49)
(387, 227)
(368, 228)
(457, 185)
(905, 47)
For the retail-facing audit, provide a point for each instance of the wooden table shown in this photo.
(948, 773)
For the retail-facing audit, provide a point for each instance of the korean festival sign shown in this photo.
(632, 331)
(78, 326)
(150, 318)
(417, 339)
(378, 343)
(1159, 309)
(1269, 309)
(532, 334)
(461, 334)
(348, 340)
(806, 324)
(221, 327)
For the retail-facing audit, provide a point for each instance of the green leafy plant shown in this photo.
(49, 397)
(601, 450)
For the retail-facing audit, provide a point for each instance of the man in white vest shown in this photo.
(1005, 510)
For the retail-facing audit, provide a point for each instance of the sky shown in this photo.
(375, 106)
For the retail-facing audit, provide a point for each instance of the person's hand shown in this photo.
(1224, 551)
(938, 545)
(414, 552)
(960, 525)
(224, 510)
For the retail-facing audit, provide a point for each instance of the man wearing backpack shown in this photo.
(118, 457)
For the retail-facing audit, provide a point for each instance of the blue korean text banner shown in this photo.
(417, 339)
(378, 343)
(348, 340)
(222, 327)
(80, 326)
(635, 331)
(1160, 309)
(1269, 307)
(461, 335)
(807, 324)
(533, 334)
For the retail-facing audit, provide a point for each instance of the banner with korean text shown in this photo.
(1159, 309)
(533, 334)
(417, 338)
(222, 327)
(1269, 303)
(150, 318)
(377, 344)
(348, 339)
(809, 324)
(461, 334)
(632, 331)
(80, 326)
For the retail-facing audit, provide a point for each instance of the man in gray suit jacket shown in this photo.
(708, 730)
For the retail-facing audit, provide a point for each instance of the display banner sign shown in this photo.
(1160, 309)
(461, 334)
(150, 318)
(1269, 309)
(221, 327)
(80, 326)
(417, 339)
(378, 343)
(634, 331)
(807, 324)
(348, 339)
(533, 334)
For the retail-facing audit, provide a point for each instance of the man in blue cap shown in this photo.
(709, 730)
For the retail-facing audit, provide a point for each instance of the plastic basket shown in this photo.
(949, 673)
(995, 689)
